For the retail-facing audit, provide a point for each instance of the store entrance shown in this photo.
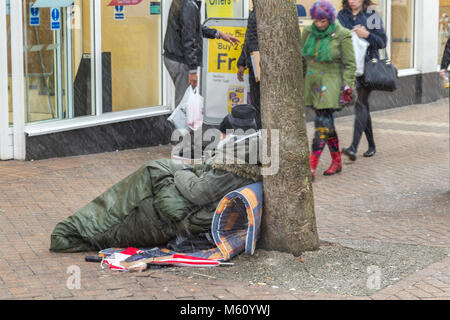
(53, 45)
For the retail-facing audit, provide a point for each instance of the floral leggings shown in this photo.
(325, 132)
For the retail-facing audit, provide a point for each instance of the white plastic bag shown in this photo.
(360, 47)
(178, 116)
(194, 110)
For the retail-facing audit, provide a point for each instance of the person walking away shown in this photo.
(358, 15)
(250, 45)
(445, 64)
(328, 52)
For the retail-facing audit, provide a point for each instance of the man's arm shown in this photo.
(209, 187)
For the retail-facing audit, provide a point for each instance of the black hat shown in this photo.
(242, 116)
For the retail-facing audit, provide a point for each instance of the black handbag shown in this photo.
(380, 74)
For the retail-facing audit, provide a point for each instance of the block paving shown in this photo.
(401, 195)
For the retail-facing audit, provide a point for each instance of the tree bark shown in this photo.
(289, 223)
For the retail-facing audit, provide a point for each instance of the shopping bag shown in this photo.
(360, 47)
(178, 116)
(194, 110)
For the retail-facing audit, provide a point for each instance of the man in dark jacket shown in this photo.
(245, 61)
(183, 44)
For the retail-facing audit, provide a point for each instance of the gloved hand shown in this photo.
(346, 95)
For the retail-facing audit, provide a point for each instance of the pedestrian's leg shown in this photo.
(179, 72)
(255, 96)
(333, 145)
(320, 139)
(361, 117)
(370, 138)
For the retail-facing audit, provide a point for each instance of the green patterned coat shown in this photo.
(323, 80)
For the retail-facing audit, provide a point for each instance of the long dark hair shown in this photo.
(366, 4)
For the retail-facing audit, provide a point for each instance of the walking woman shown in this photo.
(357, 15)
(328, 53)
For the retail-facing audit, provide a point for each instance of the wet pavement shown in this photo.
(397, 202)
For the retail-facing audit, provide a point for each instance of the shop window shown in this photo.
(8, 40)
(57, 60)
(131, 46)
(444, 26)
(402, 33)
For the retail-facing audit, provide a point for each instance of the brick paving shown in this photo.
(400, 196)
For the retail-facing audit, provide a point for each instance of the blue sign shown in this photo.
(155, 8)
(55, 20)
(119, 13)
(35, 19)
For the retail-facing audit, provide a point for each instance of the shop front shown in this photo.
(86, 76)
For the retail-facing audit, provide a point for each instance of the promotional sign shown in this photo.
(35, 19)
(124, 3)
(119, 13)
(220, 8)
(55, 20)
(219, 86)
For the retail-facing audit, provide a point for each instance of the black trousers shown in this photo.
(255, 96)
(363, 120)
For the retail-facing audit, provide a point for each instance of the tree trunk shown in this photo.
(289, 223)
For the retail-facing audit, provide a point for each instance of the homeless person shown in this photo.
(165, 198)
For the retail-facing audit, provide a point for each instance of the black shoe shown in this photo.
(350, 153)
(370, 153)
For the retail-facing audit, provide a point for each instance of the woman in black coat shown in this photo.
(358, 16)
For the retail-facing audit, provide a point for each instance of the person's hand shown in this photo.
(228, 38)
(362, 32)
(240, 73)
(442, 73)
(346, 95)
(193, 79)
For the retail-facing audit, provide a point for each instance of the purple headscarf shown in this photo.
(323, 9)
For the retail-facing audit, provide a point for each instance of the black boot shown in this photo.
(370, 153)
(350, 153)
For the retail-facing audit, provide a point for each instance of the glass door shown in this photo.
(57, 59)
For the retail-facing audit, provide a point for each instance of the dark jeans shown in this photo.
(363, 121)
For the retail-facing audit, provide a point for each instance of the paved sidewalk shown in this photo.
(401, 196)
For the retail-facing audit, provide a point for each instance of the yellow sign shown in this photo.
(223, 56)
(236, 96)
(220, 8)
